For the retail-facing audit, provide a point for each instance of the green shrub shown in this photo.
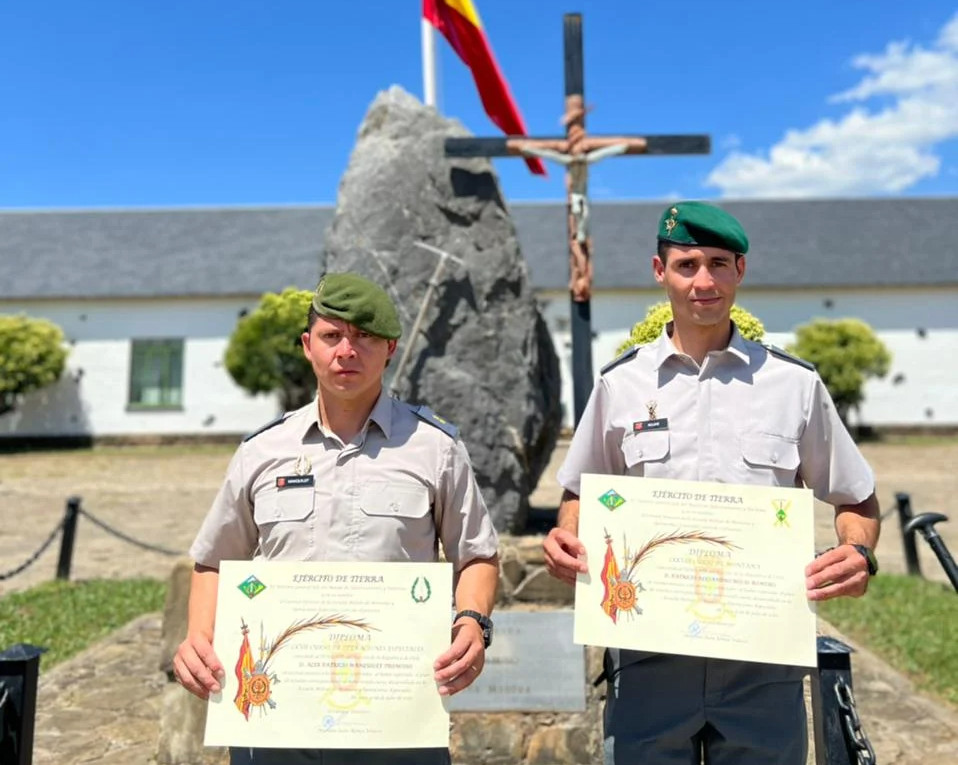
(32, 356)
(265, 353)
(660, 314)
(845, 352)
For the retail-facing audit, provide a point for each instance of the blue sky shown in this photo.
(111, 104)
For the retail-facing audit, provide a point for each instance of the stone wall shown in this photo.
(476, 738)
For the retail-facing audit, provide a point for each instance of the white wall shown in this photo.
(920, 389)
(926, 392)
(92, 396)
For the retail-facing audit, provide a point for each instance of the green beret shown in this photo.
(697, 223)
(357, 300)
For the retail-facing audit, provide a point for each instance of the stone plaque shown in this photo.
(532, 666)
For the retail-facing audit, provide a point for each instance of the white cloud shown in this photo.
(866, 151)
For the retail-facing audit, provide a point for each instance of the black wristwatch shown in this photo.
(869, 556)
(484, 622)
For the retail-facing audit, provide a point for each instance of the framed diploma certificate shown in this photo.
(694, 568)
(330, 655)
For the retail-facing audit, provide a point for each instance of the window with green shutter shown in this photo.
(156, 374)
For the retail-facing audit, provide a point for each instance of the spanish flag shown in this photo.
(458, 21)
(609, 578)
(244, 668)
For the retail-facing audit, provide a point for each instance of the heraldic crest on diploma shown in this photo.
(256, 678)
(620, 582)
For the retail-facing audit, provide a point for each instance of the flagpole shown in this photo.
(428, 63)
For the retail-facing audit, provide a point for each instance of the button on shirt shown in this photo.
(744, 416)
(389, 495)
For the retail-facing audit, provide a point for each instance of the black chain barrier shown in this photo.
(33, 558)
(888, 513)
(126, 538)
(855, 737)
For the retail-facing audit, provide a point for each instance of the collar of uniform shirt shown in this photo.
(666, 348)
(381, 414)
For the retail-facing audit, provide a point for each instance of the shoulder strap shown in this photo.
(620, 359)
(782, 354)
(426, 414)
(267, 426)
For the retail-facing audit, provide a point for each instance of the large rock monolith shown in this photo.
(482, 358)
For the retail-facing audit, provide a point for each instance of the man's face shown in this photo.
(347, 361)
(700, 283)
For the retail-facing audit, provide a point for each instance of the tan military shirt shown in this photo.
(747, 415)
(295, 491)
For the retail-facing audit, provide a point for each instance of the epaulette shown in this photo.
(267, 426)
(426, 414)
(620, 359)
(782, 354)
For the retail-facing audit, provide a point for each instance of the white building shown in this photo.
(149, 298)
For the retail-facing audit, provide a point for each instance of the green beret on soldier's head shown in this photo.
(358, 301)
(703, 225)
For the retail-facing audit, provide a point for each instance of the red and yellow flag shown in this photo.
(458, 21)
(609, 579)
(244, 668)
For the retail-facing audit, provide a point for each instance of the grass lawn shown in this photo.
(911, 623)
(66, 617)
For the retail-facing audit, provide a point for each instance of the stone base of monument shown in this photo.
(534, 703)
(182, 715)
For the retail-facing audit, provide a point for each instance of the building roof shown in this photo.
(241, 251)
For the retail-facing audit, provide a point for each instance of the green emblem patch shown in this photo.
(251, 587)
(612, 499)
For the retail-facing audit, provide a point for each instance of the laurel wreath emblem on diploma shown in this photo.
(256, 678)
(420, 594)
(620, 584)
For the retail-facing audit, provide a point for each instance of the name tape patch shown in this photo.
(660, 424)
(293, 481)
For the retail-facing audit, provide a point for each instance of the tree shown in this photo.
(265, 353)
(32, 356)
(845, 352)
(660, 314)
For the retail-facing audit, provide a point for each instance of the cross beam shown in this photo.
(518, 146)
(576, 151)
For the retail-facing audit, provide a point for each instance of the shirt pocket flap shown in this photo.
(292, 504)
(770, 451)
(394, 500)
(650, 446)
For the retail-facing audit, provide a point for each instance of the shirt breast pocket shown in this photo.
(646, 454)
(774, 459)
(285, 522)
(397, 522)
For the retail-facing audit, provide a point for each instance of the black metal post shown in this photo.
(925, 525)
(834, 665)
(581, 311)
(19, 670)
(68, 538)
(907, 537)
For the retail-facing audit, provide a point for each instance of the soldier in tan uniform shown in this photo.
(353, 476)
(702, 403)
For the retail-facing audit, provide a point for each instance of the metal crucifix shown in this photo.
(576, 151)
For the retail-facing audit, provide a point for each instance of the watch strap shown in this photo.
(869, 557)
(485, 623)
